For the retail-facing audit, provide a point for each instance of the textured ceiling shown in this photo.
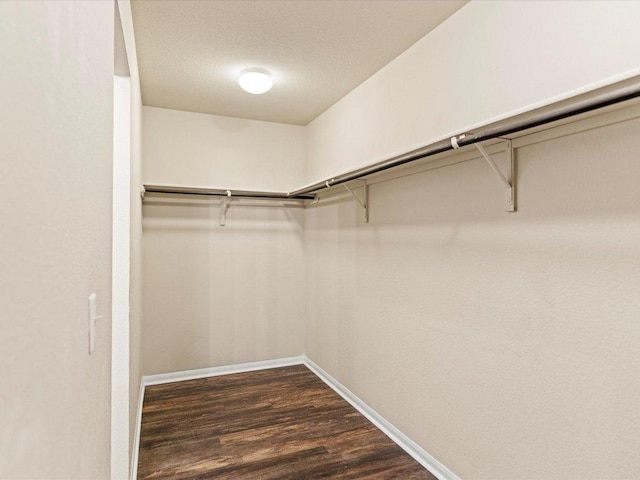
(190, 53)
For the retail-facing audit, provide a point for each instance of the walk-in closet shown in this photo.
(305, 239)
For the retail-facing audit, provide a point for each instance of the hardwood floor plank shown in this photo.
(276, 424)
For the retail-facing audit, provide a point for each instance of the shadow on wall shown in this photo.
(206, 216)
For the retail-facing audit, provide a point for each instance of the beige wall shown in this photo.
(502, 343)
(195, 149)
(221, 295)
(55, 178)
(489, 60)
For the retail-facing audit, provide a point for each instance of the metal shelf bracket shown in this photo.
(364, 203)
(223, 209)
(508, 180)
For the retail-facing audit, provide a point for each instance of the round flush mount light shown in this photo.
(255, 81)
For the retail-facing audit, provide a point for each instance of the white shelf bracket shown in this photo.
(510, 180)
(225, 206)
(364, 203)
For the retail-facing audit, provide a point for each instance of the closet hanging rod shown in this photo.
(507, 127)
(220, 192)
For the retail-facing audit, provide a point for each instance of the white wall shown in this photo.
(221, 295)
(194, 149)
(135, 277)
(55, 183)
(120, 277)
(489, 60)
(135, 228)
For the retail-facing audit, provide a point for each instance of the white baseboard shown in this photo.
(133, 474)
(404, 442)
(223, 370)
(408, 445)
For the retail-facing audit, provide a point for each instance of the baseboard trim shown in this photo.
(133, 474)
(223, 370)
(404, 442)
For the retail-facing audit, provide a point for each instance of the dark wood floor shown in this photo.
(282, 423)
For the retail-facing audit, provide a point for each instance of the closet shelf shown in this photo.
(612, 95)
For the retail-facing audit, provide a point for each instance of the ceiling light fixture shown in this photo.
(255, 81)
